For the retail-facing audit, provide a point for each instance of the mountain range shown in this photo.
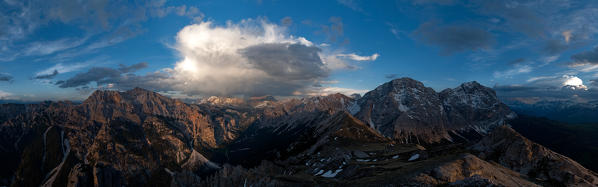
(560, 110)
(400, 133)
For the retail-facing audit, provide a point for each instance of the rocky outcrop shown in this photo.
(474, 106)
(469, 170)
(406, 110)
(105, 175)
(541, 165)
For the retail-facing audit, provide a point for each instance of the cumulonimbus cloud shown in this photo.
(250, 58)
(253, 57)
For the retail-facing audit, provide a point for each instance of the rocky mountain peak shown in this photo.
(136, 97)
(139, 91)
(222, 100)
(407, 81)
(103, 96)
(399, 85)
(403, 107)
(472, 94)
(471, 85)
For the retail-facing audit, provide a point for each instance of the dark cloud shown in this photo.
(132, 68)
(517, 61)
(523, 17)
(554, 47)
(157, 81)
(391, 76)
(5, 77)
(586, 57)
(289, 68)
(94, 74)
(104, 75)
(47, 76)
(287, 62)
(454, 38)
(513, 88)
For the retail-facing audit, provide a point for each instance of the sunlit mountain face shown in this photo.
(298, 93)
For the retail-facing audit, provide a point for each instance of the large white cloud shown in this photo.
(252, 57)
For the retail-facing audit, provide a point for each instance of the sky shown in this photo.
(526, 50)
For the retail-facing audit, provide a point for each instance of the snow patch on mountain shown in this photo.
(330, 173)
(413, 157)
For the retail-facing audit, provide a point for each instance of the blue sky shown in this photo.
(526, 50)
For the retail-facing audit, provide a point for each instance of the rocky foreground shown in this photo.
(401, 133)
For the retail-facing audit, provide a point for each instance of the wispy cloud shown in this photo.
(391, 76)
(5, 95)
(356, 57)
(518, 69)
(396, 31)
(50, 47)
(47, 76)
(63, 68)
(103, 23)
(352, 4)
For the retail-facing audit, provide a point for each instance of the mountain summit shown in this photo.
(408, 111)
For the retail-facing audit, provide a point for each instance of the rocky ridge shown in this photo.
(400, 133)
